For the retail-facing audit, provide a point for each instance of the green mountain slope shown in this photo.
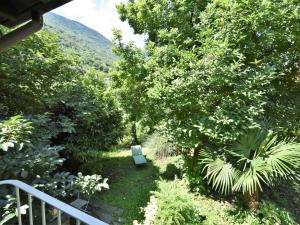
(92, 47)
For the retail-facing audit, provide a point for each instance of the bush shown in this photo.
(95, 113)
(91, 161)
(173, 205)
(90, 117)
(271, 214)
(172, 171)
(23, 155)
(26, 154)
(193, 172)
(126, 140)
(88, 185)
(267, 214)
(38, 77)
(160, 146)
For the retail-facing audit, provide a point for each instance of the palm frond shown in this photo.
(258, 159)
(268, 142)
(284, 159)
(220, 175)
(251, 179)
(248, 144)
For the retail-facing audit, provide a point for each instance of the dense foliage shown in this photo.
(30, 72)
(26, 154)
(85, 105)
(177, 205)
(211, 72)
(217, 68)
(159, 145)
(173, 204)
(37, 77)
(66, 109)
(216, 81)
(128, 81)
(51, 109)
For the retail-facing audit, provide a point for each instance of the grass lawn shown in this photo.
(130, 186)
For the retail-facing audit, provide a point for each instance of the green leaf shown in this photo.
(6, 145)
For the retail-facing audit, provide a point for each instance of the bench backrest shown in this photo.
(136, 150)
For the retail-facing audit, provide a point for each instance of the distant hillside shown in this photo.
(93, 48)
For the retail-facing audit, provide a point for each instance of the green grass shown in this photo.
(130, 189)
(130, 186)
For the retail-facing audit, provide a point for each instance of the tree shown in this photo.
(258, 158)
(38, 76)
(128, 80)
(51, 106)
(217, 68)
(92, 109)
(30, 72)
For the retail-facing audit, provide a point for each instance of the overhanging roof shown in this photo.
(15, 12)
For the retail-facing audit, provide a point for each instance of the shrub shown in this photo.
(26, 154)
(172, 203)
(271, 214)
(14, 131)
(267, 214)
(126, 140)
(193, 172)
(172, 171)
(175, 205)
(88, 185)
(160, 146)
(24, 157)
(95, 114)
(91, 161)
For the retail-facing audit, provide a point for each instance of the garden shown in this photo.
(213, 99)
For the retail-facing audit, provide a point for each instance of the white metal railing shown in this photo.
(47, 199)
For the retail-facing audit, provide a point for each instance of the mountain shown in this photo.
(91, 46)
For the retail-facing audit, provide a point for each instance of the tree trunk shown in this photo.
(252, 200)
(196, 153)
(135, 140)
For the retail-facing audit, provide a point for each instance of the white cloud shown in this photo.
(100, 15)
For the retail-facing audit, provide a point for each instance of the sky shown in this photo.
(100, 15)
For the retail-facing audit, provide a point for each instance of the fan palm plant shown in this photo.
(258, 158)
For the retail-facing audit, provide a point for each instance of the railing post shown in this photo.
(30, 209)
(18, 206)
(59, 217)
(43, 213)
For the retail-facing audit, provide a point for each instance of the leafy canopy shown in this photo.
(218, 68)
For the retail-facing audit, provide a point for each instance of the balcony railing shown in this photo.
(62, 207)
